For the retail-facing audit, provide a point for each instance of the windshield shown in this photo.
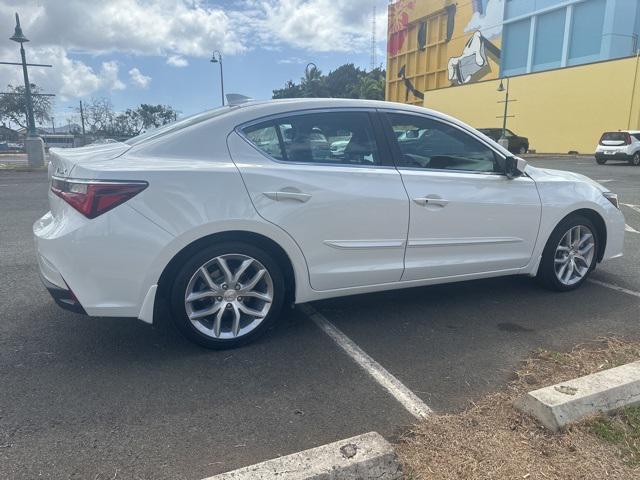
(179, 125)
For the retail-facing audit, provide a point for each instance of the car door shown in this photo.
(325, 179)
(466, 216)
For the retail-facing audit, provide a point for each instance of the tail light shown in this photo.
(94, 197)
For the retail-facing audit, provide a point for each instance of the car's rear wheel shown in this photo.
(522, 150)
(227, 295)
(635, 160)
(601, 161)
(570, 254)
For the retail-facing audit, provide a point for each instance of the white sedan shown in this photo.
(227, 218)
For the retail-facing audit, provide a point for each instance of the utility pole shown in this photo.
(82, 122)
(53, 124)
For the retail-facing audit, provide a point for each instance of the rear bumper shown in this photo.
(616, 156)
(99, 266)
(64, 297)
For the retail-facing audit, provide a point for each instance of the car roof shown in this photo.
(254, 111)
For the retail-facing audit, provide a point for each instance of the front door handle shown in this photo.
(284, 195)
(423, 201)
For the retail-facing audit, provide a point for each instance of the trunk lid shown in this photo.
(62, 161)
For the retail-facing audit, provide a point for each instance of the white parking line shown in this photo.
(632, 207)
(406, 397)
(629, 228)
(615, 287)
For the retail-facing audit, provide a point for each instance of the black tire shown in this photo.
(522, 150)
(635, 160)
(546, 271)
(178, 311)
(601, 161)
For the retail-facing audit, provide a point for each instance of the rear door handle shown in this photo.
(423, 201)
(283, 195)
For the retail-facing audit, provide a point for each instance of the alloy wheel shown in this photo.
(229, 296)
(574, 255)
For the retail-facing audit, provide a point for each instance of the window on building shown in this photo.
(429, 144)
(586, 31)
(337, 137)
(549, 38)
(516, 47)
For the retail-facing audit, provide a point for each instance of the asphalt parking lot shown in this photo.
(114, 398)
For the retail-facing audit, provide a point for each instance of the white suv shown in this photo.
(622, 145)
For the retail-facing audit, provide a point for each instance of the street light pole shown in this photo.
(218, 59)
(503, 140)
(33, 144)
(506, 108)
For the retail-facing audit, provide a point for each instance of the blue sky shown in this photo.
(158, 51)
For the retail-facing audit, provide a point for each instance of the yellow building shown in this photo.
(572, 65)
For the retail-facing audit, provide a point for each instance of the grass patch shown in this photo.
(492, 440)
(621, 429)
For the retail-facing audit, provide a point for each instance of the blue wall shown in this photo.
(567, 32)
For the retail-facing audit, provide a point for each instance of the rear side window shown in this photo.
(636, 136)
(335, 138)
(265, 137)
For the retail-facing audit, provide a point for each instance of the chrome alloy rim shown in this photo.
(229, 296)
(574, 255)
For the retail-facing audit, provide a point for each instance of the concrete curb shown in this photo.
(362, 457)
(566, 402)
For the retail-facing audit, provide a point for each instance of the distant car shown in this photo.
(517, 144)
(622, 145)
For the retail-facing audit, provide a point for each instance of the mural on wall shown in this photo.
(473, 62)
(398, 25)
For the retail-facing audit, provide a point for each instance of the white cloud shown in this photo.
(138, 79)
(174, 29)
(291, 60)
(177, 61)
(316, 25)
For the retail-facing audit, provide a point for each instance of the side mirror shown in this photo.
(514, 167)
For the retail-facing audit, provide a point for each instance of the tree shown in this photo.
(347, 81)
(154, 116)
(13, 106)
(99, 115)
(127, 124)
(343, 81)
(313, 83)
(290, 90)
(133, 122)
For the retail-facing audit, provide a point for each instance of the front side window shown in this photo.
(333, 137)
(430, 144)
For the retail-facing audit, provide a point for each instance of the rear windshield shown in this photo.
(614, 137)
(179, 125)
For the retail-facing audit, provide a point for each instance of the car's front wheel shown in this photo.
(601, 161)
(227, 295)
(570, 254)
(635, 160)
(522, 150)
